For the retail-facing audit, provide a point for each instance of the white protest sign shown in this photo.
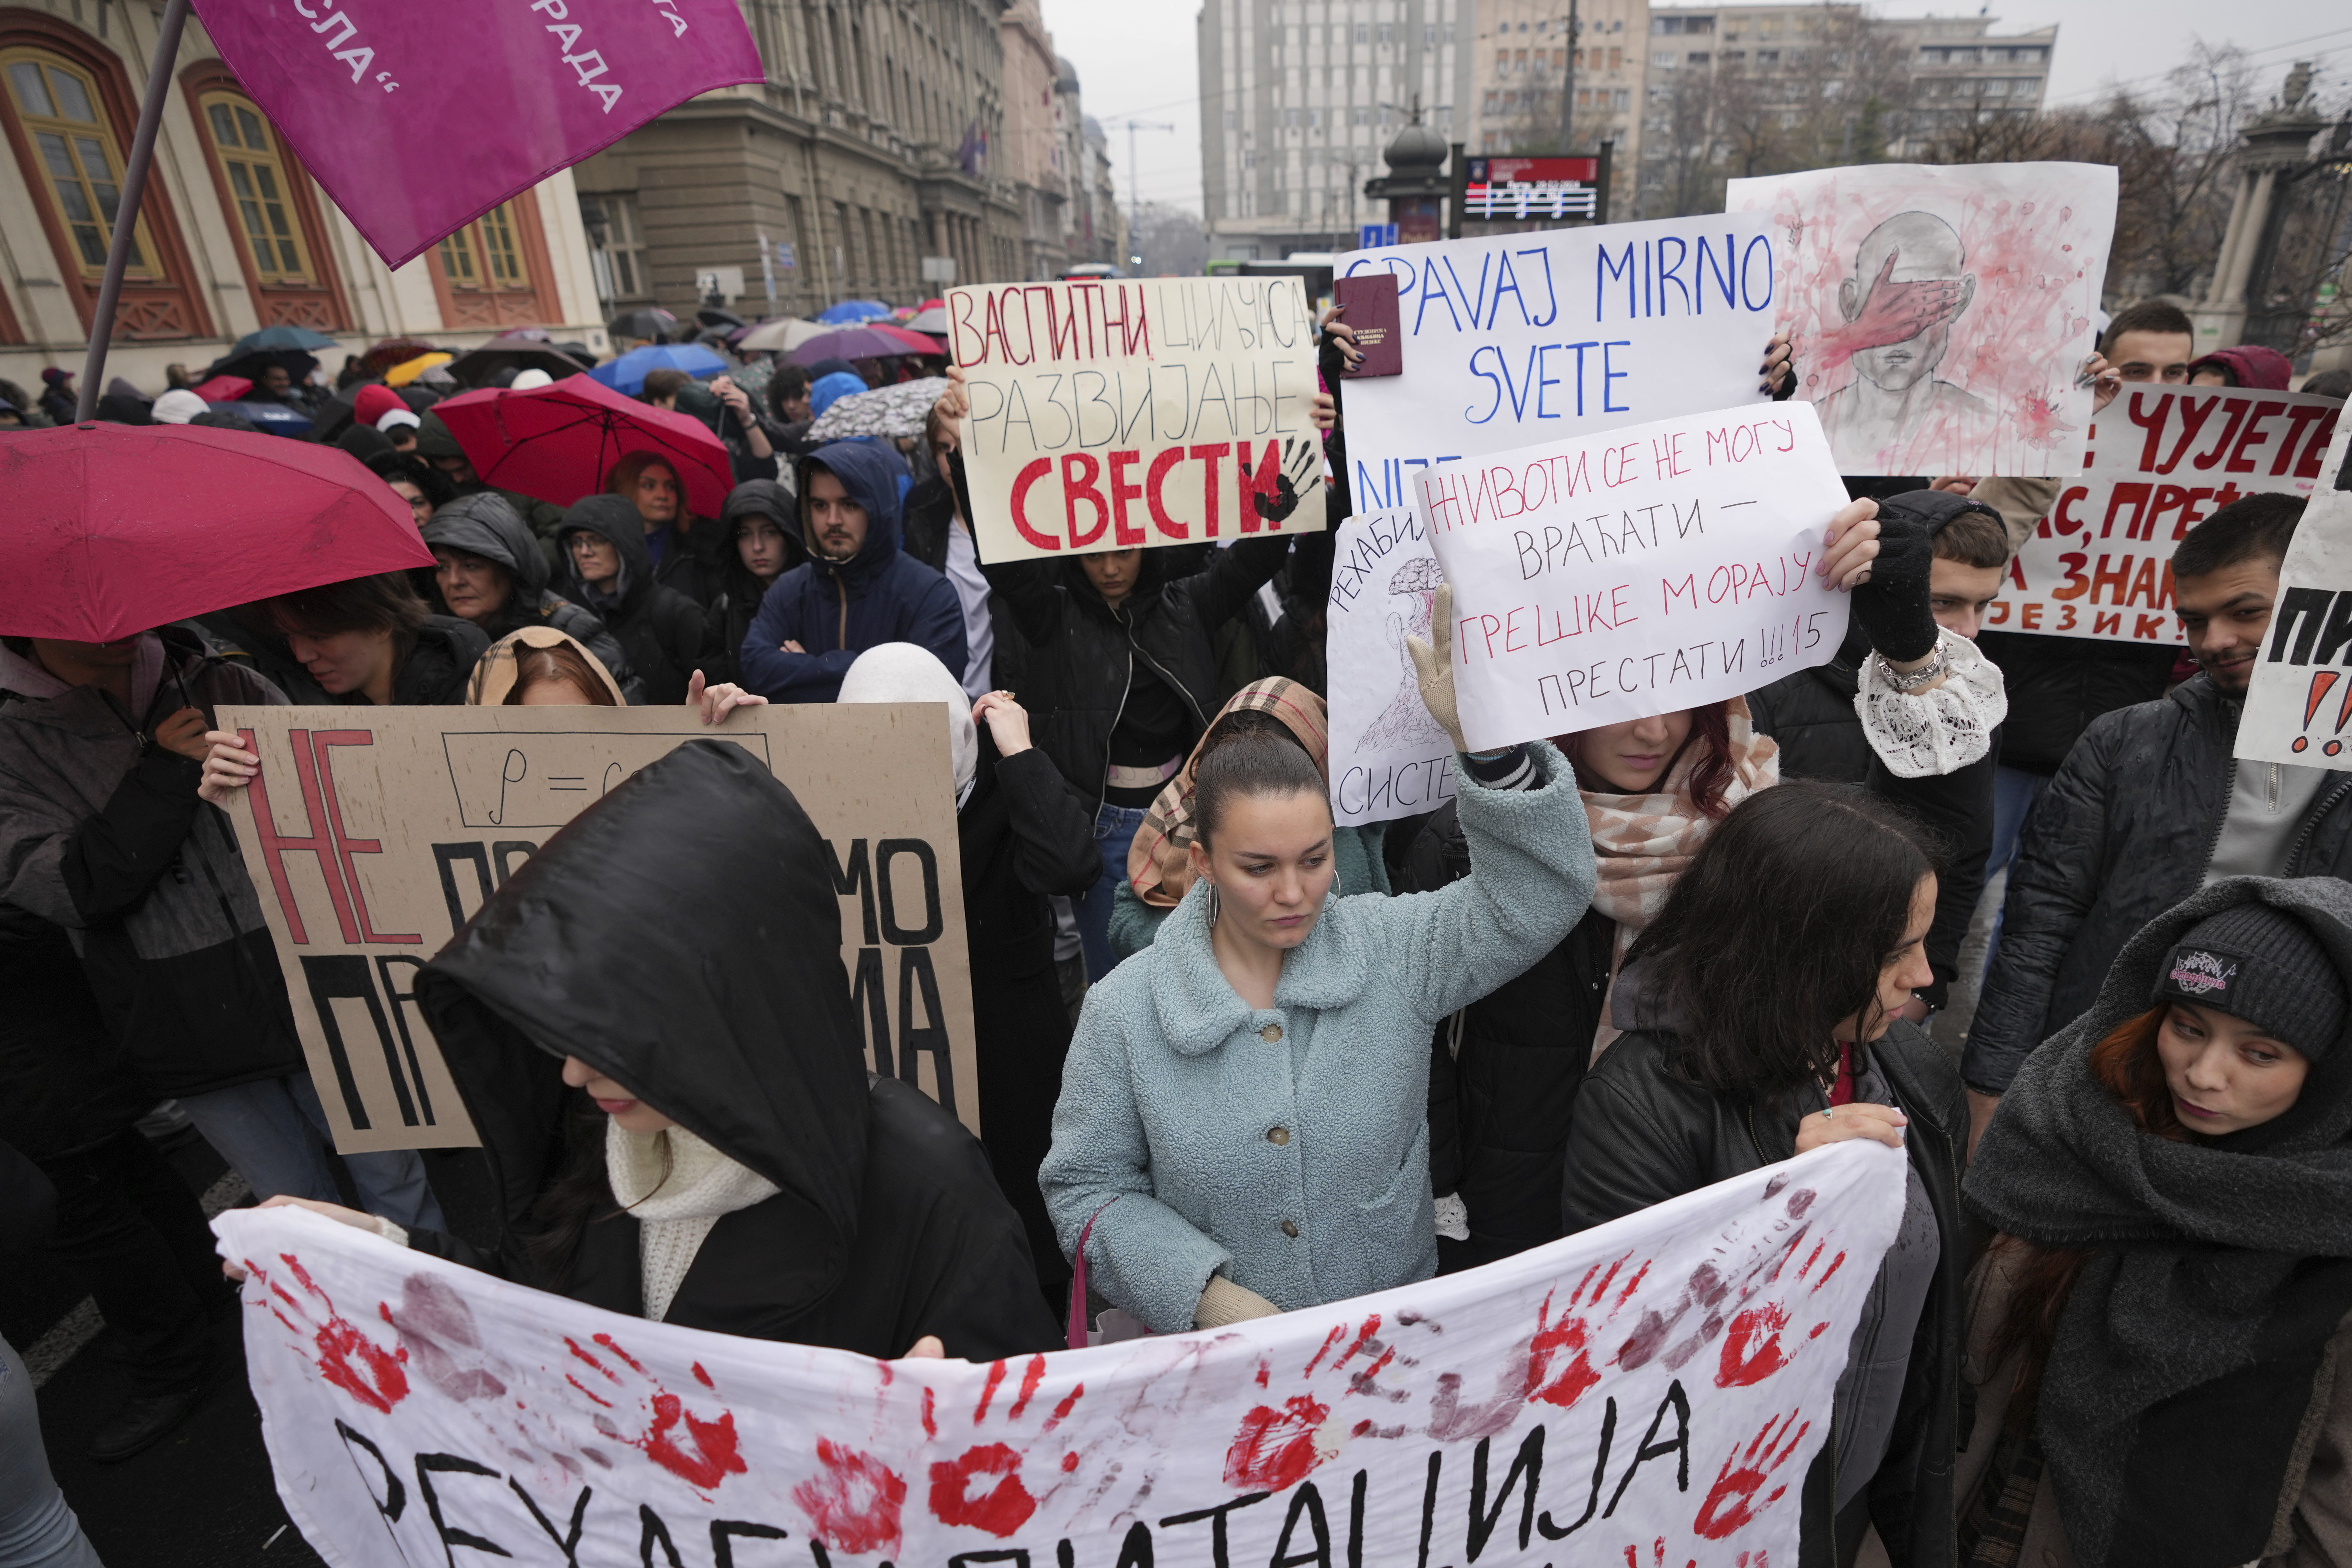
(1118, 413)
(1940, 314)
(2161, 460)
(1388, 758)
(1660, 1382)
(1520, 337)
(372, 834)
(1646, 570)
(2300, 706)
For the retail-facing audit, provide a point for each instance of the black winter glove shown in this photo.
(1894, 607)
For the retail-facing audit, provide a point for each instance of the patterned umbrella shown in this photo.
(896, 410)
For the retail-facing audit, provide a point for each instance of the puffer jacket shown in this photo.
(837, 609)
(1288, 1148)
(735, 599)
(483, 524)
(102, 832)
(2124, 831)
(1082, 654)
(659, 630)
(2057, 686)
(1644, 1133)
(1811, 714)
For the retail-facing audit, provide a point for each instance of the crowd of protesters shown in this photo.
(1235, 1060)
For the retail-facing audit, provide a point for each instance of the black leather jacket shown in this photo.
(2124, 831)
(1082, 653)
(1812, 714)
(1644, 1133)
(2057, 686)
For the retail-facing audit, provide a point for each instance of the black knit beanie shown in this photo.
(2262, 964)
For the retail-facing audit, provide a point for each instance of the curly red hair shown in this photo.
(1710, 773)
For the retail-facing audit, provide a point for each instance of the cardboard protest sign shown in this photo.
(1646, 570)
(1521, 338)
(373, 834)
(1389, 759)
(2162, 459)
(1125, 413)
(1939, 315)
(513, 92)
(2300, 705)
(1658, 1384)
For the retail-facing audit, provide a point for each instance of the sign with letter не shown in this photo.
(2299, 708)
(372, 834)
(1120, 412)
(1518, 339)
(2161, 460)
(1652, 1389)
(1646, 570)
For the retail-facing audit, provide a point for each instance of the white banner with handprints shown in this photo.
(1661, 1383)
(1645, 571)
(1388, 758)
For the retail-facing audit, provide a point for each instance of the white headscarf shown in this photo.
(902, 672)
(178, 406)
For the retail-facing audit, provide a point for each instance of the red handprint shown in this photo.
(1731, 1503)
(353, 1362)
(649, 1417)
(1277, 1444)
(1891, 312)
(1572, 1337)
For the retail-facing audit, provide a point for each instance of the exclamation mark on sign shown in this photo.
(2335, 747)
(2322, 682)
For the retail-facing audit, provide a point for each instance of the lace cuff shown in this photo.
(1939, 731)
(1452, 1217)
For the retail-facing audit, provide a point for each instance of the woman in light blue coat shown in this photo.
(1243, 1112)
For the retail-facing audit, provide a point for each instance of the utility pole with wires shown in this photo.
(1134, 184)
(1568, 87)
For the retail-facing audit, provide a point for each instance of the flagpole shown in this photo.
(126, 209)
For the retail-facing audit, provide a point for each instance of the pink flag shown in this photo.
(421, 116)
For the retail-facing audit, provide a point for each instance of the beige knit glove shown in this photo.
(1226, 1302)
(1434, 667)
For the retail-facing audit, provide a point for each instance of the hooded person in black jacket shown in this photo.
(676, 952)
(607, 568)
(1761, 1022)
(761, 523)
(492, 573)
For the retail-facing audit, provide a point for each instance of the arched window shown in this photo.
(59, 111)
(495, 271)
(260, 190)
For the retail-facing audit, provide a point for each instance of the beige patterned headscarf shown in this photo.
(1642, 842)
(1159, 861)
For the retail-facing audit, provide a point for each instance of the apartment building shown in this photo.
(1521, 61)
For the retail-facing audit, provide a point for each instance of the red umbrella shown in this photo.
(223, 388)
(556, 443)
(877, 340)
(111, 530)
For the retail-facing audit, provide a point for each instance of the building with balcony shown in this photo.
(233, 234)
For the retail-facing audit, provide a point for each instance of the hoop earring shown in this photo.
(1217, 906)
(1336, 891)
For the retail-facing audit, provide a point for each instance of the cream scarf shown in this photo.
(1643, 842)
(676, 1198)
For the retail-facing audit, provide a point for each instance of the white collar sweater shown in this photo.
(678, 1186)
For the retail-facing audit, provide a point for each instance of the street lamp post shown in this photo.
(1568, 87)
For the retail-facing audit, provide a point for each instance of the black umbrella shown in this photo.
(649, 323)
(512, 352)
(253, 362)
(727, 321)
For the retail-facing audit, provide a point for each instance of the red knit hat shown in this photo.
(373, 402)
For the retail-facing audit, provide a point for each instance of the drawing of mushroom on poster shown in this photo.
(1940, 316)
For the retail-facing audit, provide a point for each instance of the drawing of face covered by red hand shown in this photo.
(1908, 286)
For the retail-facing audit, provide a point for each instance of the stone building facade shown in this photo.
(233, 234)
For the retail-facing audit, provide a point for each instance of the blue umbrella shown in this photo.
(271, 419)
(854, 312)
(626, 374)
(296, 338)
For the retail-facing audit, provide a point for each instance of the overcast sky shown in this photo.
(1137, 60)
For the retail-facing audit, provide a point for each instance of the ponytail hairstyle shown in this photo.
(1253, 759)
(2041, 1279)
